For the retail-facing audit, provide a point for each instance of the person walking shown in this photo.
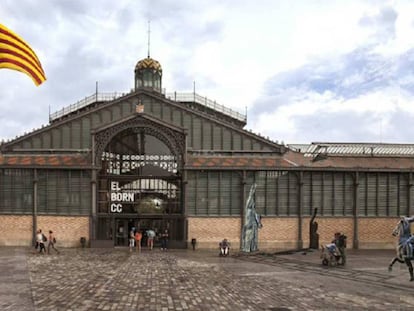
(150, 238)
(131, 240)
(40, 241)
(52, 242)
(138, 238)
(164, 240)
(37, 239)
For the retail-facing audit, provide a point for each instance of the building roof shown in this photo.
(289, 160)
(354, 162)
(345, 149)
(148, 63)
(49, 160)
(297, 160)
(231, 162)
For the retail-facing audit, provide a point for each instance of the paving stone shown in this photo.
(115, 279)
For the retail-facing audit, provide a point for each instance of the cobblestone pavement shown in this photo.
(115, 279)
(15, 290)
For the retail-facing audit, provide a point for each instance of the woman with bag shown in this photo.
(52, 242)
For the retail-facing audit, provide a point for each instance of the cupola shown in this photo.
(148, 74)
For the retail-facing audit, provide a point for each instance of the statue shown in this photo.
(313, 234)
(252, 222)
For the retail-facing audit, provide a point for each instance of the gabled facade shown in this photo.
(116, 162)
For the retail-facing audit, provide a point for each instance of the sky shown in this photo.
(304, 70)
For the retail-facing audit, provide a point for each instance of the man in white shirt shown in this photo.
(39, 241)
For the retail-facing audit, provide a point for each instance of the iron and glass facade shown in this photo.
(146, 160)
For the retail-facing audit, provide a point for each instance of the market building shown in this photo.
(150, 159)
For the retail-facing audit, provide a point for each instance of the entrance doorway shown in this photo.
(121, 232)
(123, 227)
(140, 187)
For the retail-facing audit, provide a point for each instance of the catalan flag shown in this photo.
(16, 54)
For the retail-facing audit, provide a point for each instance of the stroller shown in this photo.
(224, 247)
(330, 255)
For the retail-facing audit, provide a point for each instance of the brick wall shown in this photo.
(327, 227)
(282, 233)
(68, 230)
(377, 232)
(278, 233)
(210, 231)
(17, 230)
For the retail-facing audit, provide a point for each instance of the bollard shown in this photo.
(83, 242)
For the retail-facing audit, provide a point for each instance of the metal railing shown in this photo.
(194, 97)
(97, 97)
(178, 97)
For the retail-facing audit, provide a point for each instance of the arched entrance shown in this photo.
(139, 184)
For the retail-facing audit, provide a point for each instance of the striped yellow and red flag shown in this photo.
(16, 54)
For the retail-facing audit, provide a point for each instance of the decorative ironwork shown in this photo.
(173, 139)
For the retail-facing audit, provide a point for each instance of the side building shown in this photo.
(146, 159)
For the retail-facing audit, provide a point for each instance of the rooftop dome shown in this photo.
(148, 63)
(148, 74)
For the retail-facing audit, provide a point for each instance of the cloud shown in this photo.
(294, 64)
(361, 95)
(346, 98)
(383, 23)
